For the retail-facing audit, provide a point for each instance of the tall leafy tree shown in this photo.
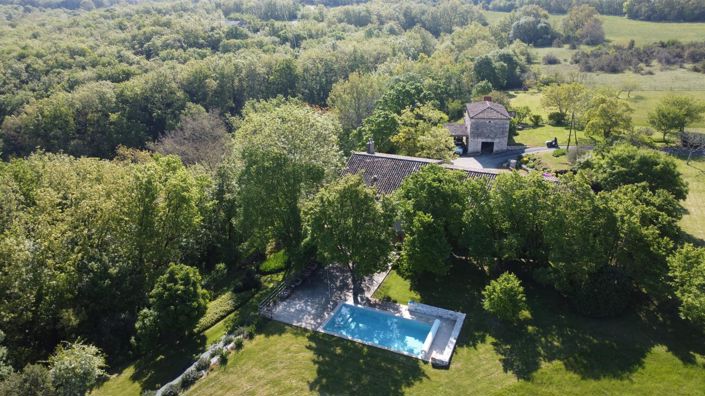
(355, 99)
(272, 186)
(33, 380)
(349, 227)
(571, 100)
(176, 304)
(674, 113)
(624, 164)
(416, 128)
(521, 227)
(293, 128)
(582, 25)
(481, 233)
(5, 367)
(687, 272)
(607, 117)
(580, 235)
(425, 249)
(647, 224)
(200, 138)
(438, 192)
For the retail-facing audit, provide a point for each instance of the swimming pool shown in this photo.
(381, 329)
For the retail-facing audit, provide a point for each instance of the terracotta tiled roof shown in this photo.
(386, 172)
(487, 110)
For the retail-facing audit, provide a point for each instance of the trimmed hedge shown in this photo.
(222, 307)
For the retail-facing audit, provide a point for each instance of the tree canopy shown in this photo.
(348, 226)
(176, 304)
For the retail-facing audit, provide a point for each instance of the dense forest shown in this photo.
(646, 10)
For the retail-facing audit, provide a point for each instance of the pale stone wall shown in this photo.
(496, 131)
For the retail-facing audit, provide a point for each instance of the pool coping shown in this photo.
(321, 329)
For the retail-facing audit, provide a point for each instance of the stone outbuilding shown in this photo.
(485, 128)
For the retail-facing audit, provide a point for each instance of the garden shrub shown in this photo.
(536, 120)
(171, 390)
(189, 377)
(203, 363)
(504, 297)
(556, 119)
(699, 67)
(223, 356)
(608, 293)
(248, 332)
(559, 152)
(222, 307)
(550, 59)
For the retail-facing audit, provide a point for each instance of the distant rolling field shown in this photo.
(621, 30)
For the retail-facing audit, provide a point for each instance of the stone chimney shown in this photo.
(370, 146)
(488, 98)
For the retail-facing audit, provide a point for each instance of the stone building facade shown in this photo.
(485, 128)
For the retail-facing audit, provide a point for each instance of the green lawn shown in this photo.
(534, 137)
(551, 162)
(395, 286)
(694, 220)
(557, 353)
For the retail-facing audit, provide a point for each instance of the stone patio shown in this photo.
(310, 304)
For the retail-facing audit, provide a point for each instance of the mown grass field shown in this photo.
(555, 353)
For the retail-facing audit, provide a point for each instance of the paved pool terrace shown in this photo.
(313, 302)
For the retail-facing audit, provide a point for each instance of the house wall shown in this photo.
(496, 131)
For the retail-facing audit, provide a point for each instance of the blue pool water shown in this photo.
(379, 328)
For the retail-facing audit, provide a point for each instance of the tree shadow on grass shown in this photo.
(155, 370)
(460, 291)
(349, 368)
(591, 348)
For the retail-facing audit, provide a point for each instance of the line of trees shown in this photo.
(600, 237)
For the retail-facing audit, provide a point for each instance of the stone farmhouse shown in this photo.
(485, 128)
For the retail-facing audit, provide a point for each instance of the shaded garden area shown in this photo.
(593, 349)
